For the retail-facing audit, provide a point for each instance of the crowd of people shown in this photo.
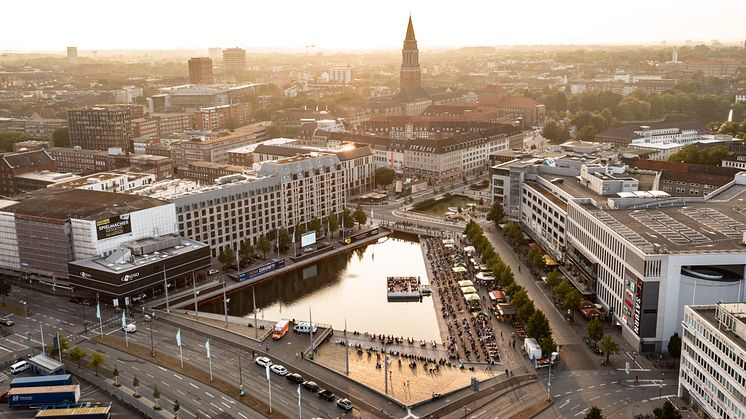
(470, 336)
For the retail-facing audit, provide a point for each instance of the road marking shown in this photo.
(177, 376)
(594, 398)
(226, 405)
(182, 393)
(149, 375)
(210, 395)
(581, 412)
(192, 384)
(563, 404)
(162, 368)
(592, 387)
(575, 407)
(135, 368)
(614, 382)
(606, 394)
(241, 414)
(166, 384)
(525, 395)
(228, 400)
(5, 349)
(217, 407)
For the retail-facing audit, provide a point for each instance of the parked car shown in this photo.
(327, 395)
(344, 404)
(6, 321)
(311, 386)
(279, 369)
(295, 378)
(263, 361)
(211, 272)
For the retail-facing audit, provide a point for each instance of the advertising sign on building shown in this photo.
(308, 239)
(268, 267)
(107, 228)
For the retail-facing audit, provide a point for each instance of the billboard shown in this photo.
(259, 270)
(308, 239)
(107, 228)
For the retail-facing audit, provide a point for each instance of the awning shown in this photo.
(459, 269)
(485, 276)
(497, 296)
(465, 283)
(471, 297)
(549, 261)
(468, 290)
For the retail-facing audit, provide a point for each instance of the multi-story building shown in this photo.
(244, 207)
(101, 127)
(80, 161)
(234, 59)
(127, 94)
(641, 252)
(715, 68)
(14, 164)
(145, 128)
(72, 55)
(190, 98)
(208, 172)
(215, 149)
(341, 74)
(200, 71)
(712, 377)
(225, 116)
(525, 109)
(48, 228)
(34, 127)
(161, 124)
(160, 166)
(680, 133)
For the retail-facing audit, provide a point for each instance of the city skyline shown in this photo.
(337, 27)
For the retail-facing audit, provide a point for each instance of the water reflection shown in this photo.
(349, 286)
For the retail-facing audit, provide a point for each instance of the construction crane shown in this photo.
(309, 46)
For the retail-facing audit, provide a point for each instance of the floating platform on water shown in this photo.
(406, 288)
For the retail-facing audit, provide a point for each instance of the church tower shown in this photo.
(410, 61)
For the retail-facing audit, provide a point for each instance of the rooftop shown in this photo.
(701, 226)
(125, 264)
(83, 204)
(737, 311)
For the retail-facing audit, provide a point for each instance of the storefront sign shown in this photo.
(107, 228)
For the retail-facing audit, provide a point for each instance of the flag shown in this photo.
(207, 346)
(98, 310)
(124, 320)
(267, 368)
(178, 338)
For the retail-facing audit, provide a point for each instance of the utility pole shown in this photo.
(225, 305)
(256, 325)
(347, 352)
(152, 347)
(194, 288)
(165, 288)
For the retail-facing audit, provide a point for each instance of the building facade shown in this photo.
(215, 148)
(14, 164)
(712, 377)
(200, 71)
(234, 59)
(101, 127)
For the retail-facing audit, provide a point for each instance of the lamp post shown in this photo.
(194, 288)
(152, 347)
(165, 288)
(225, 305)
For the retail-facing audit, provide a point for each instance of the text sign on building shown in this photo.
(308, 239)
(268, 267)
(107, 228)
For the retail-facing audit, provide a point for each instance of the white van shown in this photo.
(212, 272)
(19, 366)
(130, 328)
(304, 327)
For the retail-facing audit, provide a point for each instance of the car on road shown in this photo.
(130, 328)
(295, 378)
(327, 395)
(311, 386)
(279, 369)
(263, 361)
(6, 321)
(344, 404)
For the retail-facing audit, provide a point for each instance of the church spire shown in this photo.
(410, 31)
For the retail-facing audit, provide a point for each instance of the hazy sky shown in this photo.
(331, 24)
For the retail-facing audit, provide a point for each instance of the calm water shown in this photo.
(350, 286)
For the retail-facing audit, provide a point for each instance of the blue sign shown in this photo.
(260, 270)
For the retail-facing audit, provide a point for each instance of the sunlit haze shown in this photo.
(50, 25)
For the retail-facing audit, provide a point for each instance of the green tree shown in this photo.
(284, 239)
(5, 289)
(315, 225)
(548, 345)
(115, 374)
(553, 278)
(76, 354)
(674, 345)
(63, 344)
(176, 408)
(563, 288)
(333, 222)
(595, 330)
(263, 245)
(135, 386)
(526, 310)
(227, 256)
(571, 302)
(61, 137)
(553, 131)
(347, 220)
(496, 214)
(8, 138)
(360, 216)
(594, 413)
(246, 251)
(538, 326)
(667, 411)
(385, 176)
(97, 361)
(609, 346)
(157, 398)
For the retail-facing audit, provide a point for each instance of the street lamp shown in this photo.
(225, 305)
(152, 347)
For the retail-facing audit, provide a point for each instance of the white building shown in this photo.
(127, 94)
(712, 376)
(340, 74)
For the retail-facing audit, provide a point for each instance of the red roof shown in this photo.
(518, 102)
